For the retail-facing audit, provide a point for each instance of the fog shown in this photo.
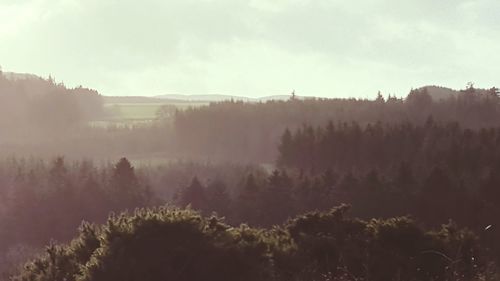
(249, 140)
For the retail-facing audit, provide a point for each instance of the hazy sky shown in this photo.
(332, 48)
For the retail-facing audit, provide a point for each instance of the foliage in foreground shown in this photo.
(176, 244)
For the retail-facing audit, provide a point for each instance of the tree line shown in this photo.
(432, 199)
(467, 153)
(435, 160)
(43, 117)
(43, 106)
(244, 131)
(43, 202)
(41, 195)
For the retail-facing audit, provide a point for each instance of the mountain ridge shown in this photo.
(220, 97)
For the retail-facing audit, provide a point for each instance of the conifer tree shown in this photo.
(218, 198)
(194, 195)
(126, 191)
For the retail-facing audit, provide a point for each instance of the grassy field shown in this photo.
(131, 111)
(128, 110)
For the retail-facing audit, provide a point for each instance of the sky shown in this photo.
(328, 48)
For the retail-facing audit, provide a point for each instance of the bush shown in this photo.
(176, 244)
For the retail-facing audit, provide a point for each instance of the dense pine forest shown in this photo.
(250, 131)
(304, 189)
(249, 140)
(44, 106)
(44, 118)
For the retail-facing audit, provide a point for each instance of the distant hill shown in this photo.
(278, 97)
(137, 99)
(20, 76)
(217, 98)
(212, 98)
(188, 98)
(436, 92)
(441, 93)
(42, 106)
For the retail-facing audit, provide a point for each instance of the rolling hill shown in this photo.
(217, 98)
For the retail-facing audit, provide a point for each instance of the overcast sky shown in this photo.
(332, 48)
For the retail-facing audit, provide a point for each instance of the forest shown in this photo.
(44, 118)
(304, 189)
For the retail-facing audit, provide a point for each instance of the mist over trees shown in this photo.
(43, 202)
(264, 186)
(249, 131)
(44, 106)
(44, 118)
(466, 152)
(257, 198)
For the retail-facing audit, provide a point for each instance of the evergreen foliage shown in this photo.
(175, 244)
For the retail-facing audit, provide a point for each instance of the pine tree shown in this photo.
(194, 195)
(285, 149)
(218, 198)
(126, 191)
(247, 203)
(404, 178)
(58, 174)
(277, 199)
